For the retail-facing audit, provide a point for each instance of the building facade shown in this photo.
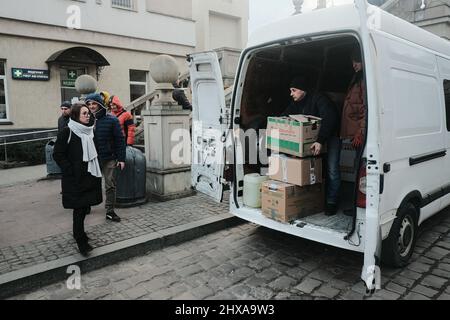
(432, 15)
(45, 45)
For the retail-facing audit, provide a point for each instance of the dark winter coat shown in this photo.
(179, 96)
(317, 105)
(80, 189)
(63, 122)
(109, 138)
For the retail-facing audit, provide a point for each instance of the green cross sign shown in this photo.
(72, 74)
(18, 73)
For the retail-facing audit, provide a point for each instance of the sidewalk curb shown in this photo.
(28, 279)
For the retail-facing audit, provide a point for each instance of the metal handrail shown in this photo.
(26, 133)
(25, 141)
(4, 137)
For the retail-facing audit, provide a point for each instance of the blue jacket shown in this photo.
(108, 137)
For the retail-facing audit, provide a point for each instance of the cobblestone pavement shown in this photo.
(151, 217)
(251, 262)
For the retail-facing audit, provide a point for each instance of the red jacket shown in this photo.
(125, 119)
(354, 112)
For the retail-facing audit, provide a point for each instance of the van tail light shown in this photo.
(362, 179)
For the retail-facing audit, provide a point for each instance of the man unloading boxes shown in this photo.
(318, 105)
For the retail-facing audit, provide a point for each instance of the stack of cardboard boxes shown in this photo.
(295, 189)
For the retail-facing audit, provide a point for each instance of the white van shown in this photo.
(404, 177)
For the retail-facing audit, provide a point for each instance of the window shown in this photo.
(138, 86)
(3, 93)
(124, 4)
(447, 102)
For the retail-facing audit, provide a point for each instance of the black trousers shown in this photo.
(78, 223)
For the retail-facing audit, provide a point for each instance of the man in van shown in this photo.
(315, 104)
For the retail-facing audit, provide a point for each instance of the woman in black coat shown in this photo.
(81, 183)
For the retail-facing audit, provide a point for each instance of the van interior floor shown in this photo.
(340, 221)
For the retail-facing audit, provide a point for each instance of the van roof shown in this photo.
(345, 18)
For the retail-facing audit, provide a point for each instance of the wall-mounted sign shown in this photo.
(72, 74)
(68, 83)
(30, 74)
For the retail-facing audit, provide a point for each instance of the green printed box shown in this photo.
(292, 135)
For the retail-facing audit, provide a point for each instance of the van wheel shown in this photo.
(399, 245)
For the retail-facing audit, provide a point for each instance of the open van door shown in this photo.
(210, 124)
(371, 269)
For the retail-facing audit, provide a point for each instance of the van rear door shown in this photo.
(210, 124)
(371, 270)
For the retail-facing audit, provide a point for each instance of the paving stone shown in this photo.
(308, 285)
(185, 296)
(260, 264)
(434, 282)
(425, 260)
(255, 281)
(242, 291)
(352, 295)
(262, 293)
(190, 270)
(417, 267)
(444, 266)
(282, 283)
(309, 265)
(424, 291)
(443, 244)
(441, 252)
(339, 284)
(136, 292)
(444, 296)
(440, 273)
(327, 291)
(240, 275)
(387, 295)
(321, 275)
(391, 286)
(359, 287)
(269, 274)
(207, 263)
(415, 296)
(202, 292)
(410, 274)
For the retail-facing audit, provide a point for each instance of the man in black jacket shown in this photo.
(63, 121)
(179, 96)
(318, 105)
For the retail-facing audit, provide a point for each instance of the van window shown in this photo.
(447, 102)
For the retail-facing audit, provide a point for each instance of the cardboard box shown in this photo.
(293, 135)
(347, 161)
(301, 172)
(285, 202)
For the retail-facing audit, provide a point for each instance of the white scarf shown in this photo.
(86, 134)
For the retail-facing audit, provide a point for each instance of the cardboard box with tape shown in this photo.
(301, 172)
(293, 135)
(286, 202)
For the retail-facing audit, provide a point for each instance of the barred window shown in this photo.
(126, 4)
